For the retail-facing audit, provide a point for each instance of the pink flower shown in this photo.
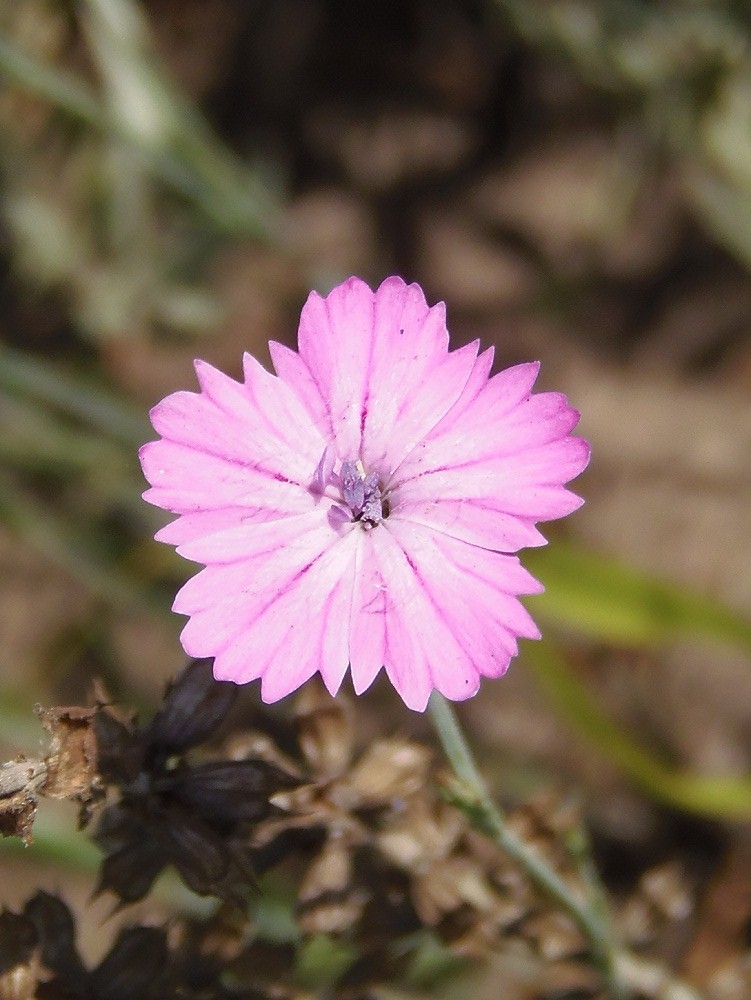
(360, 507)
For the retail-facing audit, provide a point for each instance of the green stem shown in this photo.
(591, 916)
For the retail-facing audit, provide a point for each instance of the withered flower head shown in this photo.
(179, 809)
(163, 795)
(393, 856)
(193, 708)
(39, 960)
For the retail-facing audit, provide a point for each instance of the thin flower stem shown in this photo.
(622, 972)
(490, 817)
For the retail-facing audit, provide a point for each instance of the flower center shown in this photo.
(363, 494)
(359, 496)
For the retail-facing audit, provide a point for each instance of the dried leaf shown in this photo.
(72, 759)
(325, 730)
(19, 783)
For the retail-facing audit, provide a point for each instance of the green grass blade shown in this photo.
(607, 600)
(716, 797)
(198, 167)
(74, 395)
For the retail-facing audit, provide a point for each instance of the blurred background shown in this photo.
(573, 179)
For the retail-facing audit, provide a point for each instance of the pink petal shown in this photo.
(404, 654)
(438, 612)
(473, 591)
(480, 434)
(261, 422)
(206, 522)
(419, 410)
(185, 480)
(479, 521)
(491, 493)
(281, 611)
(292, 540)
(304, 629)
(293, 371)
(367, 644)
(366, 354)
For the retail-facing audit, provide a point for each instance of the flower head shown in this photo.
(360, 507)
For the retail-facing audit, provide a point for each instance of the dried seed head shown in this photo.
(555, 936)
(329, 903)
(661, 898)
(389, 771)
(194, 707)
(19, 957)
(225, 792)
(56, 931)
(135, 966)
(325, 730)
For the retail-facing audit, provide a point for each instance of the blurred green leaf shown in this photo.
(430, 960)
(611, 602)
(74, 395)
(725, 208)
(607, 600)
(717, 797)
(273, 909)
(56, 840)
(18, 725)
(322, 960)
(70, 546)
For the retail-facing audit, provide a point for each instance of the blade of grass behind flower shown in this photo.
(610, 601)
(717, 797)
(74, 395)
(143, 98)
(196, 165)
(56, 841)
(34, 438)
(18, 725)
(69, 548)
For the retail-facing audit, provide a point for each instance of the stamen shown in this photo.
(362, 494)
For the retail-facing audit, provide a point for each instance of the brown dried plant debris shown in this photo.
(372, 838)
(39, 961)
(68, 771)
(386, 841)
(20, 780)
(157, 800)
(662, 899)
